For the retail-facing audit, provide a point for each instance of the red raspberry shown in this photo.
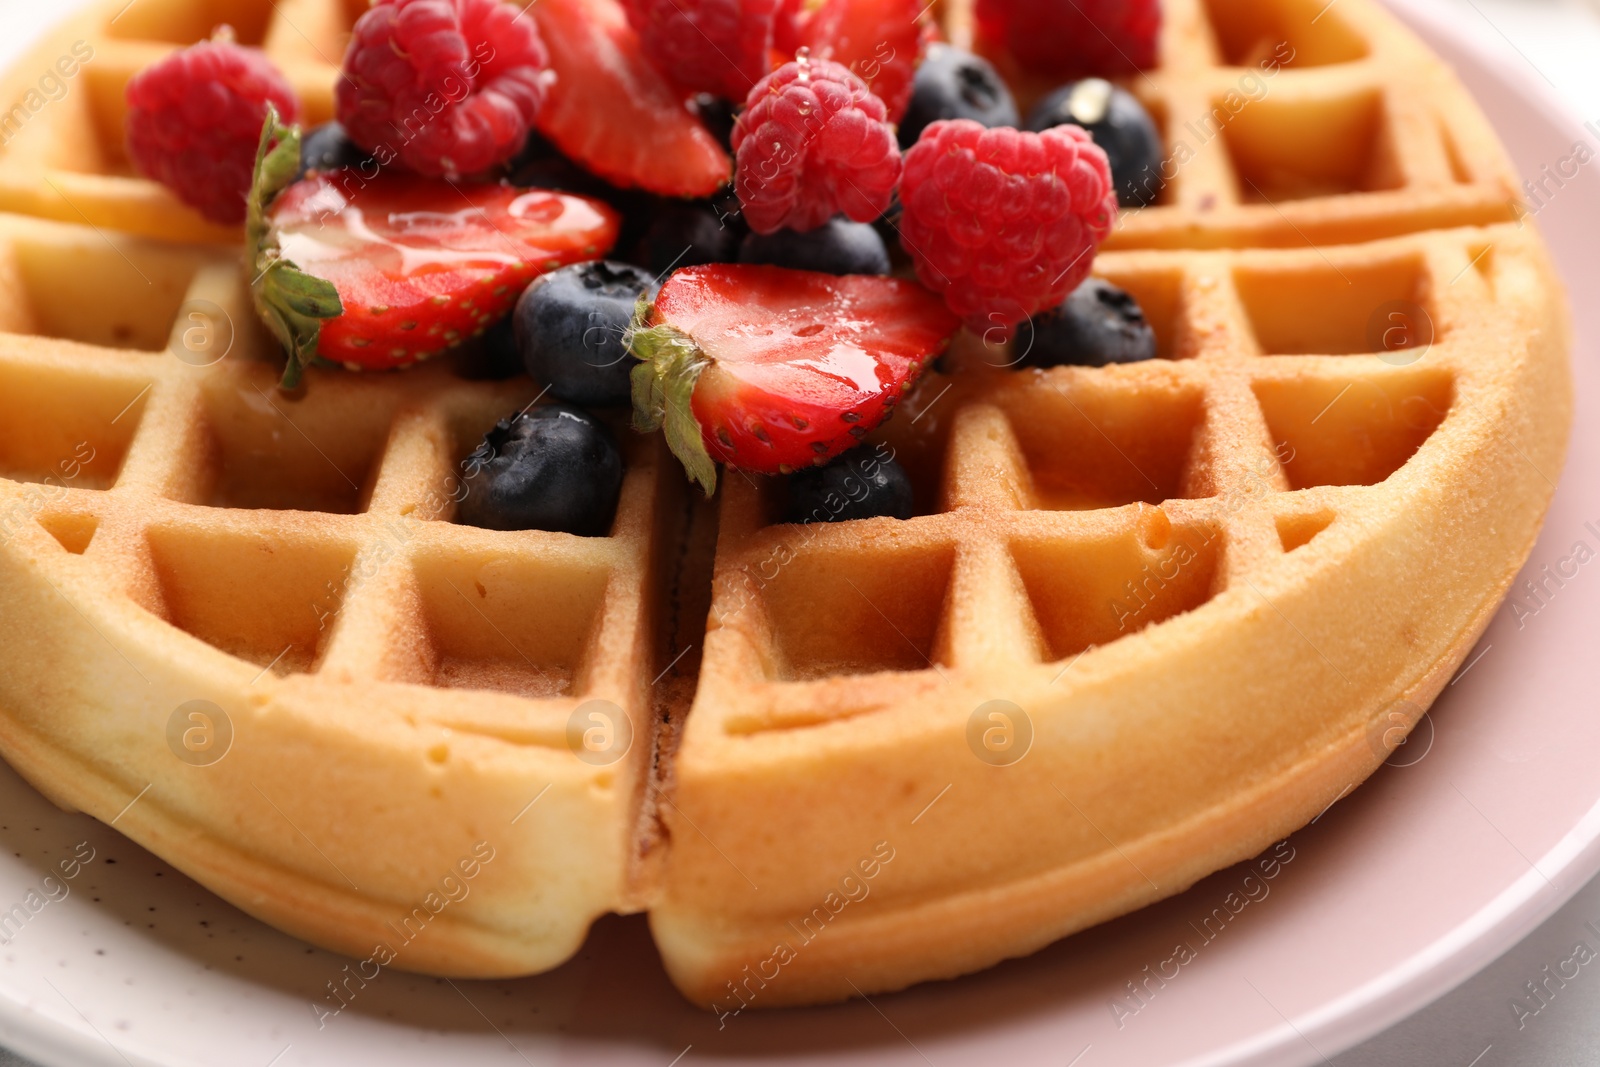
(194, 122)
(1004, 223)
(1075, 38)
(813, 142)
(714, 46)
(447, 87)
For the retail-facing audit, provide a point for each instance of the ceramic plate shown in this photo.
(1481, 827)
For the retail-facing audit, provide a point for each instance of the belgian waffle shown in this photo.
(1150, 618)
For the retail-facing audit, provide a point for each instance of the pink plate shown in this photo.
(1390, 899)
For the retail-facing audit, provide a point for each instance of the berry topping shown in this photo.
(552, 468)
(1074, 38)
(446, 87)
(1097, 325)
(812, 142)
(773, 370)
(717, 114)
(194, 121)
(879, 40)
(570, 324)
(838, 246)
(1119, 124)
(328, 147)
(687, 234)
(863, 483)
(715, 46)
(1004, 223)
(614, 113)
(952, 84)
(383, 272)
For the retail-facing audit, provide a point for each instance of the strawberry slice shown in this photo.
(613, 112)
(384, 271)
(882, 41)
(770, 370)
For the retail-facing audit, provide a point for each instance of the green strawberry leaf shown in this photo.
(663, 389)
(291, 302)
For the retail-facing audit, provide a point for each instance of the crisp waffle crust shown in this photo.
(1150, 619)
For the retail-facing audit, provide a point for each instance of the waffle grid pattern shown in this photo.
(1077, 506)
(307, 542)
(294, 533)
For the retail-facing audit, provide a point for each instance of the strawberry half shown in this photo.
(613, 112)
(385, 271)
(881, 41)
(771, 370)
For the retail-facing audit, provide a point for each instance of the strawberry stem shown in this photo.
(291, 302)
(663, 392)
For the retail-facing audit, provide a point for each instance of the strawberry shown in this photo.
(382, 271)
(771, 370)
(614, 113)
(882, 41)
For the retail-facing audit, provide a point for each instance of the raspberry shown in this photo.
(194, 122)
(446, 87)
(1002, 222)
(811, 143)
(1075, 38)
(713, 46)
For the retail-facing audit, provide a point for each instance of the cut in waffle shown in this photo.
(1148, 619)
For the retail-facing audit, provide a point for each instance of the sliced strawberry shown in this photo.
(383, 271)
(880, 40)
(613, 112)
(771, 370)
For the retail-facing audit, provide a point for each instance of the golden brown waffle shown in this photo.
(399, 688)
(1202, 589)
(1150, 618)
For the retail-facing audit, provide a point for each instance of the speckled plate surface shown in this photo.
(1482, 826)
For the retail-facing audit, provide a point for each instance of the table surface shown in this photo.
(1479, 1023)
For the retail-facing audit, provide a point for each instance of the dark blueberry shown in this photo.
(718, 115)
(552, 468)
(1119, 124)
(570, 323)
(687, 234)
(953, 84)
(328, 147)
(1096, 325)
(492, 357)
(838, 246)
(541, 165)
(865, 482)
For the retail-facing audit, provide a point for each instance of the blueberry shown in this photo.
(494, 357)
(838, 246)
(552, 468)
(718, 116)
(569, 325)
(1096, 325)
(328, 147)
(687, 234)
(1119, 124)
(953, 84)
(540, 165)
(863, 483)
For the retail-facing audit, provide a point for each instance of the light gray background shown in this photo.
(1476, 1025)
